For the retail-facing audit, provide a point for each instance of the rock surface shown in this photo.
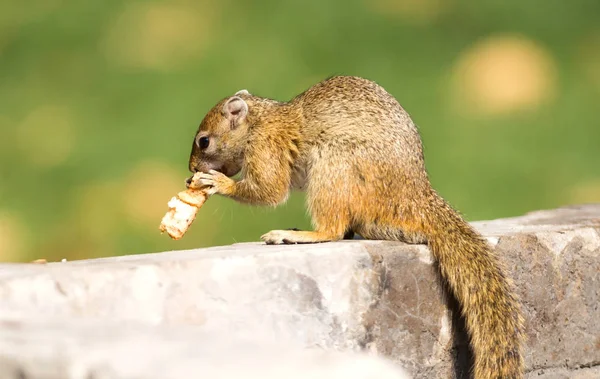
(102, 349)
(381, 297)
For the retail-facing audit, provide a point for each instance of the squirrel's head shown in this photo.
(221, 138)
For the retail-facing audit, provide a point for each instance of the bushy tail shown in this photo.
(483, 290)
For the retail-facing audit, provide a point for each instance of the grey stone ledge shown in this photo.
(229, 303)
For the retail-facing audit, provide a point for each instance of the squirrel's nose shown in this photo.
(193, 167)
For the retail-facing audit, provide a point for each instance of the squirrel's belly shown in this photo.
(298, 181)
(299, 175)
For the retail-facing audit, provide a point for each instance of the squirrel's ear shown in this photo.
(242, 92)
(235, 110)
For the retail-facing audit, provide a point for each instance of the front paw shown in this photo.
(278, 237)
(215, 181)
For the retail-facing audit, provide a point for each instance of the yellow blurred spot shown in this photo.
(46, 136)
(159, 35)
(147, 190)
(97, 213)
(589, 58)
(503, 74)
(411, 11)
(586, 192)
(12, 238)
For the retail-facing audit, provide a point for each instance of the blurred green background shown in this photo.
(99, 102)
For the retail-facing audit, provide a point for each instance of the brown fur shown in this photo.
(358, 155)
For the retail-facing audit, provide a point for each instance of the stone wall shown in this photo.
(256, 308)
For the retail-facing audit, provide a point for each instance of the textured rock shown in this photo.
(382, 297)
(555, 259)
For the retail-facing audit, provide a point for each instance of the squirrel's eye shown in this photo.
(203, 142)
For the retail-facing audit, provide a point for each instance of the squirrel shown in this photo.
(357, 154)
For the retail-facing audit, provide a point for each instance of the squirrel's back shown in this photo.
(345, 102)
(358, 113)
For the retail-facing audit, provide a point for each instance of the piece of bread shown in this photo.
(182, 211)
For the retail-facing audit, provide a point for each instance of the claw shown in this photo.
(215, 181)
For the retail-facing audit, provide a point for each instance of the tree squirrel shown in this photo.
(358, 156)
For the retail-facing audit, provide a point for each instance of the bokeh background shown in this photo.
(100, 100)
